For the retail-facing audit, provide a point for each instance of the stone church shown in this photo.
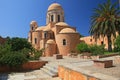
(56, 37)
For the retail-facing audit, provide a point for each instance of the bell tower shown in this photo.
(33, 25)
(55, 13)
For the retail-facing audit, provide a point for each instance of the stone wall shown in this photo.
(32, 65)
(36, 35)
(90, 40)
(72, 39)
(50, 49)
(69, 74)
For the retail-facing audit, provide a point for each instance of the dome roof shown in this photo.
(47, 29)
(50, 41)
(67, 30)
(33, 22)
(55, 6)
(40, 28)
(62, 24)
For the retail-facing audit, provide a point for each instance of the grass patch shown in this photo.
(106, 53)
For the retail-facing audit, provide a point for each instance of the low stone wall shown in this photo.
(31, 65)
(103, 63)
(69, 74)
(117, 60)
(108, 55)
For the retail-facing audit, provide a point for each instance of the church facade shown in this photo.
(56, 37)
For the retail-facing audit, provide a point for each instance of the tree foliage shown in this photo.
(16, 51)
(117, 44)
(19, 44)
(105, 21)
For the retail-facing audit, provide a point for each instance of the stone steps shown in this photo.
(48, 72)
(52, 65)
(44, 75)
(50, 69)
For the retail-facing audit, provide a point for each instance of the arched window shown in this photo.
(102, 42)
(64, 41)
(58, 18)
(45, 35)
(35, 40)
(90, 40)
(52, 18)
(32, 28)
(51, 36)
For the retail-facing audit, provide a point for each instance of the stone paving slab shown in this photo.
(104, 77)
(73, 63)
(113, 71)
(16, 77)
(57, 78)
(30, 77)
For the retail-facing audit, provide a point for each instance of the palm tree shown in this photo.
(105, 21)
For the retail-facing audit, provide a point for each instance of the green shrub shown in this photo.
(13, 59)
(96, 50)
(11, 56)
(117, 44)
(4, 49)
(26, 52)
(16, 51)
(18, 44)
(37, 54)
(116, 49)
(82, 47)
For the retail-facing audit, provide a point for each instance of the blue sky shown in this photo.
(16, 15)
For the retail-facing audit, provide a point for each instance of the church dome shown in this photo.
(47, 29)
(40, 28)
(67, 30)
(33, 22)
(50, 41)
(61, 24)
(55, 6)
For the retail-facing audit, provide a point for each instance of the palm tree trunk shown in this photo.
(109, 43)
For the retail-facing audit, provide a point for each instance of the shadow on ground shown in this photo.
(3, 76)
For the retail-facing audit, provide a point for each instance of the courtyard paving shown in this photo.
(73, 63)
